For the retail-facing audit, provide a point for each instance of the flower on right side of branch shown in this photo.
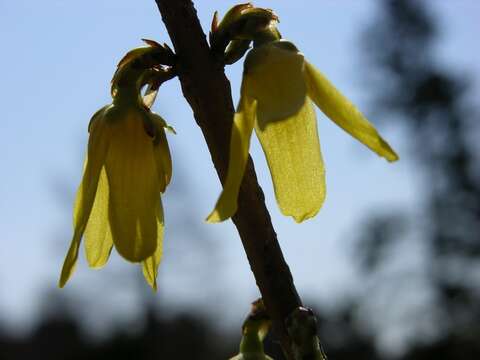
(278, 88)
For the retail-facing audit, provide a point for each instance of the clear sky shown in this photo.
(57, 61)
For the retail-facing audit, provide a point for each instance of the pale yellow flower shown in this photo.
(278, 88)
(128, 166)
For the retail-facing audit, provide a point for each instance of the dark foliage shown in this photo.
(185, 336)
(430, 102)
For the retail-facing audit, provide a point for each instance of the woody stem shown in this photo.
(207, 90)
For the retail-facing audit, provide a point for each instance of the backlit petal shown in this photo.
(163, 158)
(292, 149)
(98, 237)
(341, 111)
(70, 260)
(97, 149)
(276, 81)
(150, 265)
(242, 128)
(134, 188)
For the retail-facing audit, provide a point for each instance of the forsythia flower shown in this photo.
(128, 165)
(278, 88)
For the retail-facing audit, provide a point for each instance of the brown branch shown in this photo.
(207, 90)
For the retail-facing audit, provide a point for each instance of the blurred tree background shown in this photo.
(420, 295)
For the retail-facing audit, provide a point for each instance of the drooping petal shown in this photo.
(163, 158)
(292, 149)
(70, 261)
(98, 236)
(150, 265)
(134, 188)
(98, 144)
(275, 75)
(341, 111)
(242, 128)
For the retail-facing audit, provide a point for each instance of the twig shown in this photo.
(207, 90)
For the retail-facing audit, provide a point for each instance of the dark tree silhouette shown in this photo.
(431, 103)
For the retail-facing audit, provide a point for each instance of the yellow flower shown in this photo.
(128, 165)
(278, 88)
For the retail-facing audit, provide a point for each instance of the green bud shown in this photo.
(235, 50)
(242, 22)
(253, 22)
(139, 67)
(254, 330)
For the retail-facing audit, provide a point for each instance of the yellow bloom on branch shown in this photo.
(278, 88)
(128, 166)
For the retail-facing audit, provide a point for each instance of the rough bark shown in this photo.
(207, 90)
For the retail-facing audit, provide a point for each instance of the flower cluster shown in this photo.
(128, 163)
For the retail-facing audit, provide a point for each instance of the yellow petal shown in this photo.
(292, 149)
(150, 265)
(163, 158)
(98, 236)
(242, 128)
(134, 188)
(98, 144)
(97, 149)
(70, 260)
(344, 113)
(276, 80)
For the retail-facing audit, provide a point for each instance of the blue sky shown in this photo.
(57, 62)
